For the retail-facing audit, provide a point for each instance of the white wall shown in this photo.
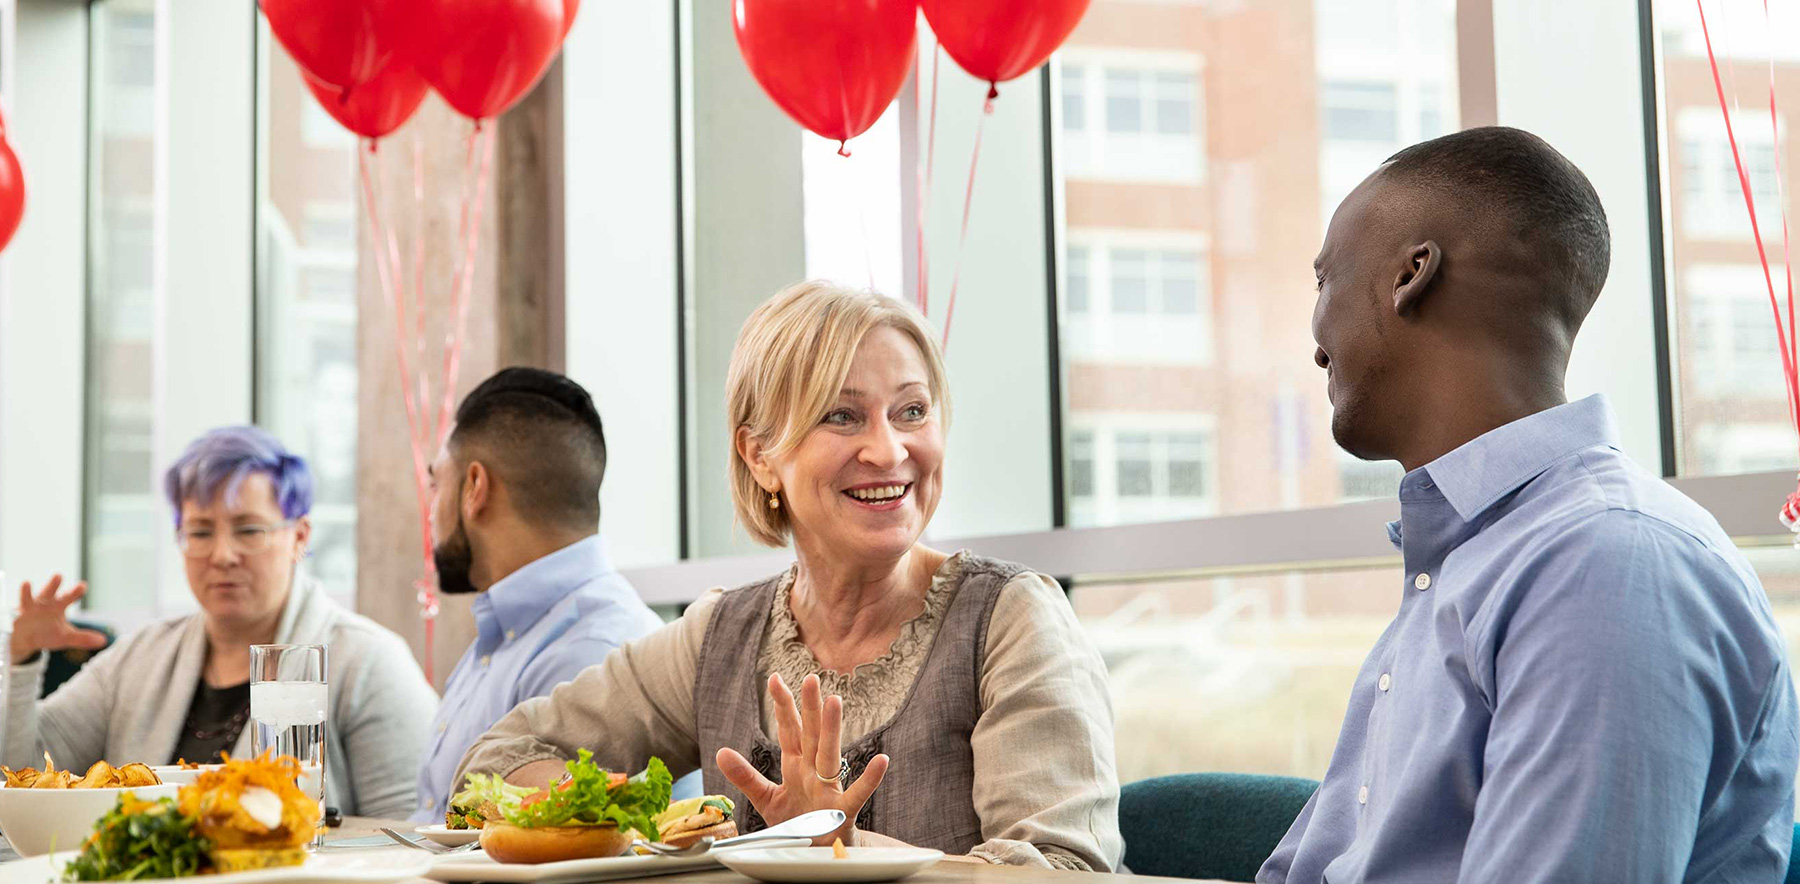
(205, 201)
(43, 294)
(621, 266)
(1540, 48)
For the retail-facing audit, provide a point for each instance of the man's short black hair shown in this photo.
(1515, 178)
(540, 434)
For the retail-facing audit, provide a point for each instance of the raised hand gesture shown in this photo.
(43, 623)
(811, 738)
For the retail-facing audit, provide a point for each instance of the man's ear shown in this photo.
(1415, 279)
(477, 490)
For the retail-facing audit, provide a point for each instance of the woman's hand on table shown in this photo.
(811, 735)
(43, 622)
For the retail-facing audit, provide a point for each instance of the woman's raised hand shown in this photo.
(43, 623)
(811, 736)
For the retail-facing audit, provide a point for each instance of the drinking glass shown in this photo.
(288, 699)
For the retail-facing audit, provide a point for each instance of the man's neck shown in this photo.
(517, 547)
(1455, 417)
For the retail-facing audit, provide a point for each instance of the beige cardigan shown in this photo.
(130, 701)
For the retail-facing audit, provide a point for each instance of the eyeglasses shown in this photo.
(199, 543)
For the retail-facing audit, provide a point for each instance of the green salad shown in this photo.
(141, 839)
(593, 797)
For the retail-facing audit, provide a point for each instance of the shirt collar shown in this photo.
(519, 599)
(1480, 472)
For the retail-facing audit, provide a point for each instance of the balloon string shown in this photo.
(923, 177)
(460, 311)
(393, 292)
(1792, 506)
(1787, 252)
(418, 279)
(987, 110)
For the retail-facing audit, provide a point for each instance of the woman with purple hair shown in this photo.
(180, 688)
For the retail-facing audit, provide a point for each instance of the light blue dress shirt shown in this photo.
(535, 629)
(1584, 683)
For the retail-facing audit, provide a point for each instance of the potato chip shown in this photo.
(101, 775)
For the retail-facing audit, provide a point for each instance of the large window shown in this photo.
(1731, 406)
(1186, 298)
(306, 240)
(120, 523)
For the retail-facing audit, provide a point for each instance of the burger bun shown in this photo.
(508, 843)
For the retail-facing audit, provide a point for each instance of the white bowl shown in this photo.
(170, 773)
(38, 821)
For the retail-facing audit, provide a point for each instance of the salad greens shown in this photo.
(471, 804)
(592, 797)
(141, 839)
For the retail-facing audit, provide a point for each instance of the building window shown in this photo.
(1146, 111)
(1141, 299)
(1354, 111)
(1076, 291)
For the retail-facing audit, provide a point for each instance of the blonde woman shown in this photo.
(962, 687)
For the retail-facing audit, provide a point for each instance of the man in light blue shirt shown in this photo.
(519, 481)
(1584, 681)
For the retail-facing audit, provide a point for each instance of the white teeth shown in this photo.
(879, 494)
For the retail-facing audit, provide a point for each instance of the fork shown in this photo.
(433, 848)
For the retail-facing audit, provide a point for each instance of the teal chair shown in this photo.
(1793, 875)
(1208, 825)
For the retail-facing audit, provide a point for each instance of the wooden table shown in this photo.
(942, 873)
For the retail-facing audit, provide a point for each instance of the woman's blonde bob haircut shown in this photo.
(790, 362)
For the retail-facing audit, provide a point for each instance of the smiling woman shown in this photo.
(838, 406)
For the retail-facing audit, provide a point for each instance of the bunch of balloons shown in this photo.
(369, 62)
(835, 65)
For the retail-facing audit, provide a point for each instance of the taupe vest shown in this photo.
(927, 798)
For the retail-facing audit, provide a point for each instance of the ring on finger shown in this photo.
(842, 772)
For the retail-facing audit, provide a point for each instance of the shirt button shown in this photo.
(443, 727)
(510, 635)
(484, 659)
(1423, 581)
(1385, 681)
(1362, 795)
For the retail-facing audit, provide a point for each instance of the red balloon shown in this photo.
(570, 7)
(334, 40)
(482, 56)
(12, 193)
(380, 105)
(832, 65)
(998, 40)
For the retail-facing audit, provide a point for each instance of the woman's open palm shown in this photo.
(43, 623)
(811, 737)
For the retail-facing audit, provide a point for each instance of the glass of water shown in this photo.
(288, 699)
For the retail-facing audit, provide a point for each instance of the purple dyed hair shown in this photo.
(219, 462)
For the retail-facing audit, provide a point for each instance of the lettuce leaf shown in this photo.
(587, 798)
(489, 787)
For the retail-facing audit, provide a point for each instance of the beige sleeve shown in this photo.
(1046, 788)
(636, 703)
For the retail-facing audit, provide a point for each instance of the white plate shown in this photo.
(800, 864)
(477, 866)
(374, 866)
(170, 773)
(449, 837)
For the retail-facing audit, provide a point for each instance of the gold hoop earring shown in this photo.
(774, 502)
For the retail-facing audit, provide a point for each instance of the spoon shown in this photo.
(811, 825)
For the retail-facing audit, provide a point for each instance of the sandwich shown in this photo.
(253, 812)
(592, 813)
(686, 822)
